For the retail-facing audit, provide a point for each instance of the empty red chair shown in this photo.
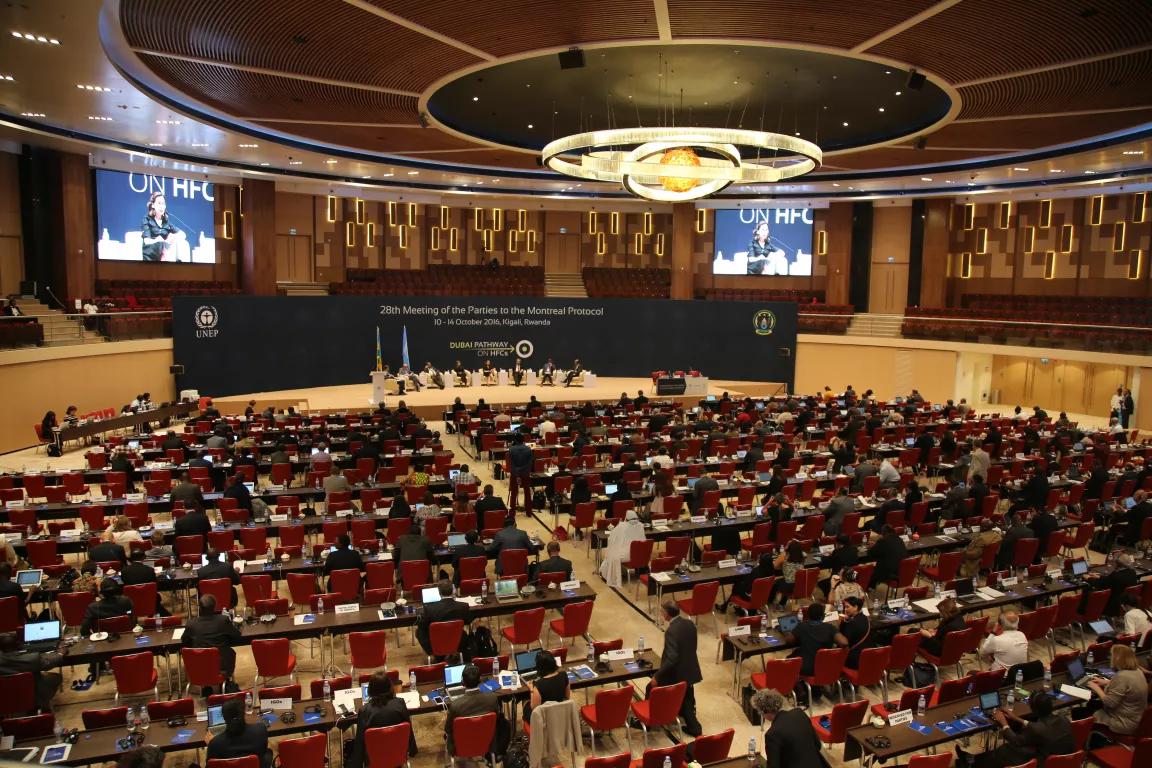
(143, 597)
(525, 629)
(135, 673)
(1120, 756)
(310, 751)
(273, 659)
(346, 583)
(608, 712)
(872, 669)
(701, 603)
(162, 710)
(781, 675)
(257, 586)
(661, 708)
(574, 620)
(73, 606)
(713, 748)
(943, 760)
(103, 718)
(368, 650)
(302, 587)
(843, 717)
(444, 637)
(248, 761)
(221, 589)
(513, 562)
(19, 694)
(32, 727)
(380, 575)
(828, 669)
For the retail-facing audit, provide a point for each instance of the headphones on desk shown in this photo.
(879, 742)
(314, 709)
(288, 717)
(131, 741)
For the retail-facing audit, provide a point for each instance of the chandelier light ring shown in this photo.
(664, 165)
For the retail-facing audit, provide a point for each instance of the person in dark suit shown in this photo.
(9, 588)
(1094, 485)
(1034, 494)
(211, 629)
(1043, 525)
(1120, 579)
(188, 493)
(573, 372)
(790, 740)
(679, 663)
(240, 738)
(218, 567)
(1017, 529)
(1024, 740)
(107, 552)
(381, 710)
(447, 608)
(843, 556)
(472, 548)
(471, 703)
(344, 558)
(15, 660)
(888, 551)
(704, 484)
(111, 603)
(414, 546)
(489, 501)
(137, 572)
(508, 537)
(555, 563)
(237, 490)
(195, 523)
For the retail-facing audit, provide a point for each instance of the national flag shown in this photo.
(404, 349)
(379, 358)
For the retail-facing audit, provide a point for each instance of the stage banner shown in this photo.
(233, 345)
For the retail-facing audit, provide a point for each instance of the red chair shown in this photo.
(702, 601)
(622, 760)
(1074, 760)
(761, 591)
(310, 751)
(943, 760)
(368, 650)
(639, 556)
(388, 746)
(282, 692)
(346, 583)
(608, 712)
(781, 675)
(380, 575)
(11, 617)
(956, 644)
(248, 761)
(713, 748)
(513, 562)
(103, 718)
(19, 694)
(32, 727)
(1120, 756)
(909, 567)
(276, 606)
(444, 637)
(843, 717)
(203, 667)
(661, 708)
(654, 758)
(574, 620)
(908, 700)
(143, 597)
(256, 587)
(872, 669)
(273, 659)
(946, 568)
(162, 710)
(414, 573)
(472, 737)
(73, 606)
(302, 587)
(526, 628)
(828, 669)
(43, 554)
(135, 674)
(221, 589)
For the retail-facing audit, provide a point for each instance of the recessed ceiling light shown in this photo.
(1132, 152)
(413, 173)
(199, 145)
(6, 77)
(295, 162)
(100, 118)
(887, 71)
(249, 146)
(845, 123)
(35, 38)
(947, 181)
(167, 122)
(1089, 172)
(32, 114)
(925, 178)
(797, 133)
(365, 177)
(530, 125)
(971, 183)
(479, 182)
(898, 92)
(881, 109)
(835, 184)
(386, 175)
(475, 98)
(155, 145)
(330, 161)
(98, 88)
(265, 165)
(1055, 170)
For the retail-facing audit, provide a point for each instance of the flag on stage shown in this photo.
(404, 349)
(379, 359)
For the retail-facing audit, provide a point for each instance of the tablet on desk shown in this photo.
(29, 579)
(55, 753)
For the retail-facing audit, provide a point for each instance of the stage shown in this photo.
(430, 403)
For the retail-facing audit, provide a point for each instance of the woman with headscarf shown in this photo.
(619, 547)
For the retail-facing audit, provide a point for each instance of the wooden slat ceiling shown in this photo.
(336, 41)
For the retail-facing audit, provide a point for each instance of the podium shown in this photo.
(382, 386)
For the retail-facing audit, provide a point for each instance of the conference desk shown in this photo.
(126, 421)
(101, 745)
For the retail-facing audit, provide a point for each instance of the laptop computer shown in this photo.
(430, 595)
(1079, 568)
(765, 477)
(506, 590)
(452, 474)
(692, 482)
(710, 398)
(526, 664)
(216, 722)
(909, 441)
(1076, 672)
(453, 679)
(251, 487)
(41, 636)
(741, 454)
(1129, 503)
(29, 579)
(457, 540)
(965, 593)
(789, 622)
(610, 488)
(989, 702)
(1101, 627)
(133, 444)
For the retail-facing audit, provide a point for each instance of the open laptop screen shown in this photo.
(41, 630)
(430, 595)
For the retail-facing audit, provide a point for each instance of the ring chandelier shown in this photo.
(664, 164)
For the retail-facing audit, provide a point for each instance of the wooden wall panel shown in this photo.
(1057, 385)
(78, 241)
(258, 257)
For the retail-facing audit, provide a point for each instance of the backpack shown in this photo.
(516, 756)
(540, 500)
(483, 644)
(919, 674)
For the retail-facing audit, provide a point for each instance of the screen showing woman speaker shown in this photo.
(763, 241)
(143, 217)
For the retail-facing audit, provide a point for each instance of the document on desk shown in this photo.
(1076, 691)
(662, 576)
(990, 593)
(929, 604)
(178, 633)
(411, 699)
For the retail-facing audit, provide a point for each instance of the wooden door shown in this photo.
(11, 266)
(293, 259)
(562, 253)
(888, 288)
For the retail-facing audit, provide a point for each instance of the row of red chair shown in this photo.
(627, 282)
(1072, 337)
(20, 334)
(445, 280)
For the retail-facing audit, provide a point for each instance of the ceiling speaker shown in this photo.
(915, 81)
(921, 142)
(573, 58)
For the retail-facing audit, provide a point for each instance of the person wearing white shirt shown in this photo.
(1010, 646)
(1114, 427)
(465, 476)
(889, 475)
(546, 426)
(1136, 621)
(1116, 404)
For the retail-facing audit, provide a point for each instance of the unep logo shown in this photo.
(206, 319)
(524, 349)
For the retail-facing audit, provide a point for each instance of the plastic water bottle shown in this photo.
(591, 653)
(936, 589)
(249, 704)
(875, 606)
(495, 666)
(99, 572)
(320, 605)
(1011, 701)
(130, 719)
(145, 719)
(667, 762)
(327, 690)
(484, 591)
(640, 643)
(1091, 658)
(751, 751)
(1047, 680)
(1019, 678)
(921, 706)
(412, 681)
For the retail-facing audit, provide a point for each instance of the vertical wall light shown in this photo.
(513, 240)
(1067, 232)
(982, 240)
(392, 220)
(1004, 215)
(370, 235)
(411, 214)
(521, 219)
(965, 266)
(658, 249)
(1135, 264)
(1029, 239)
(454, 239)
(821, 243)
(969, 215)
(229, 225)
(488, 236)
(1050, 265)
(497, 219)
(614, 222)
(331, 208)
(1119, 235)
(1096, 210)
(601, 244)
(240, 200)
(701, 220)
(592, 222)
(638, 244)
(1139, 207)
(443, 217)
(647, 222)
(1045, 214)
(359, 211)
(531, 241)
(477, 219)
(403, 237)
(435, 236)
(349, 233)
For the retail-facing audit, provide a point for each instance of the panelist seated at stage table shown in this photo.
(404, 373)
(548, 373)
(435, 378)
(573, 372)
(461, 374)
(489, 376)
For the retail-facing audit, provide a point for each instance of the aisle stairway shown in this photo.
(564, 285)
(59, 330)
(875, 325)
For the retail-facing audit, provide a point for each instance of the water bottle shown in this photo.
(412, 681)
(327, 690)
(591, 653)
(99, 572)
(921, 706)
(1019, 678)
(875, 606)
(751, 751)
(145, 719)
(936, 589)
(667, 762)
(1011, 701)
(495, 666)
(484, 591)
(130, 719)
(1047, 680)
(320, 605)
(1091, 658)
(640, 643)
(249, 704)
